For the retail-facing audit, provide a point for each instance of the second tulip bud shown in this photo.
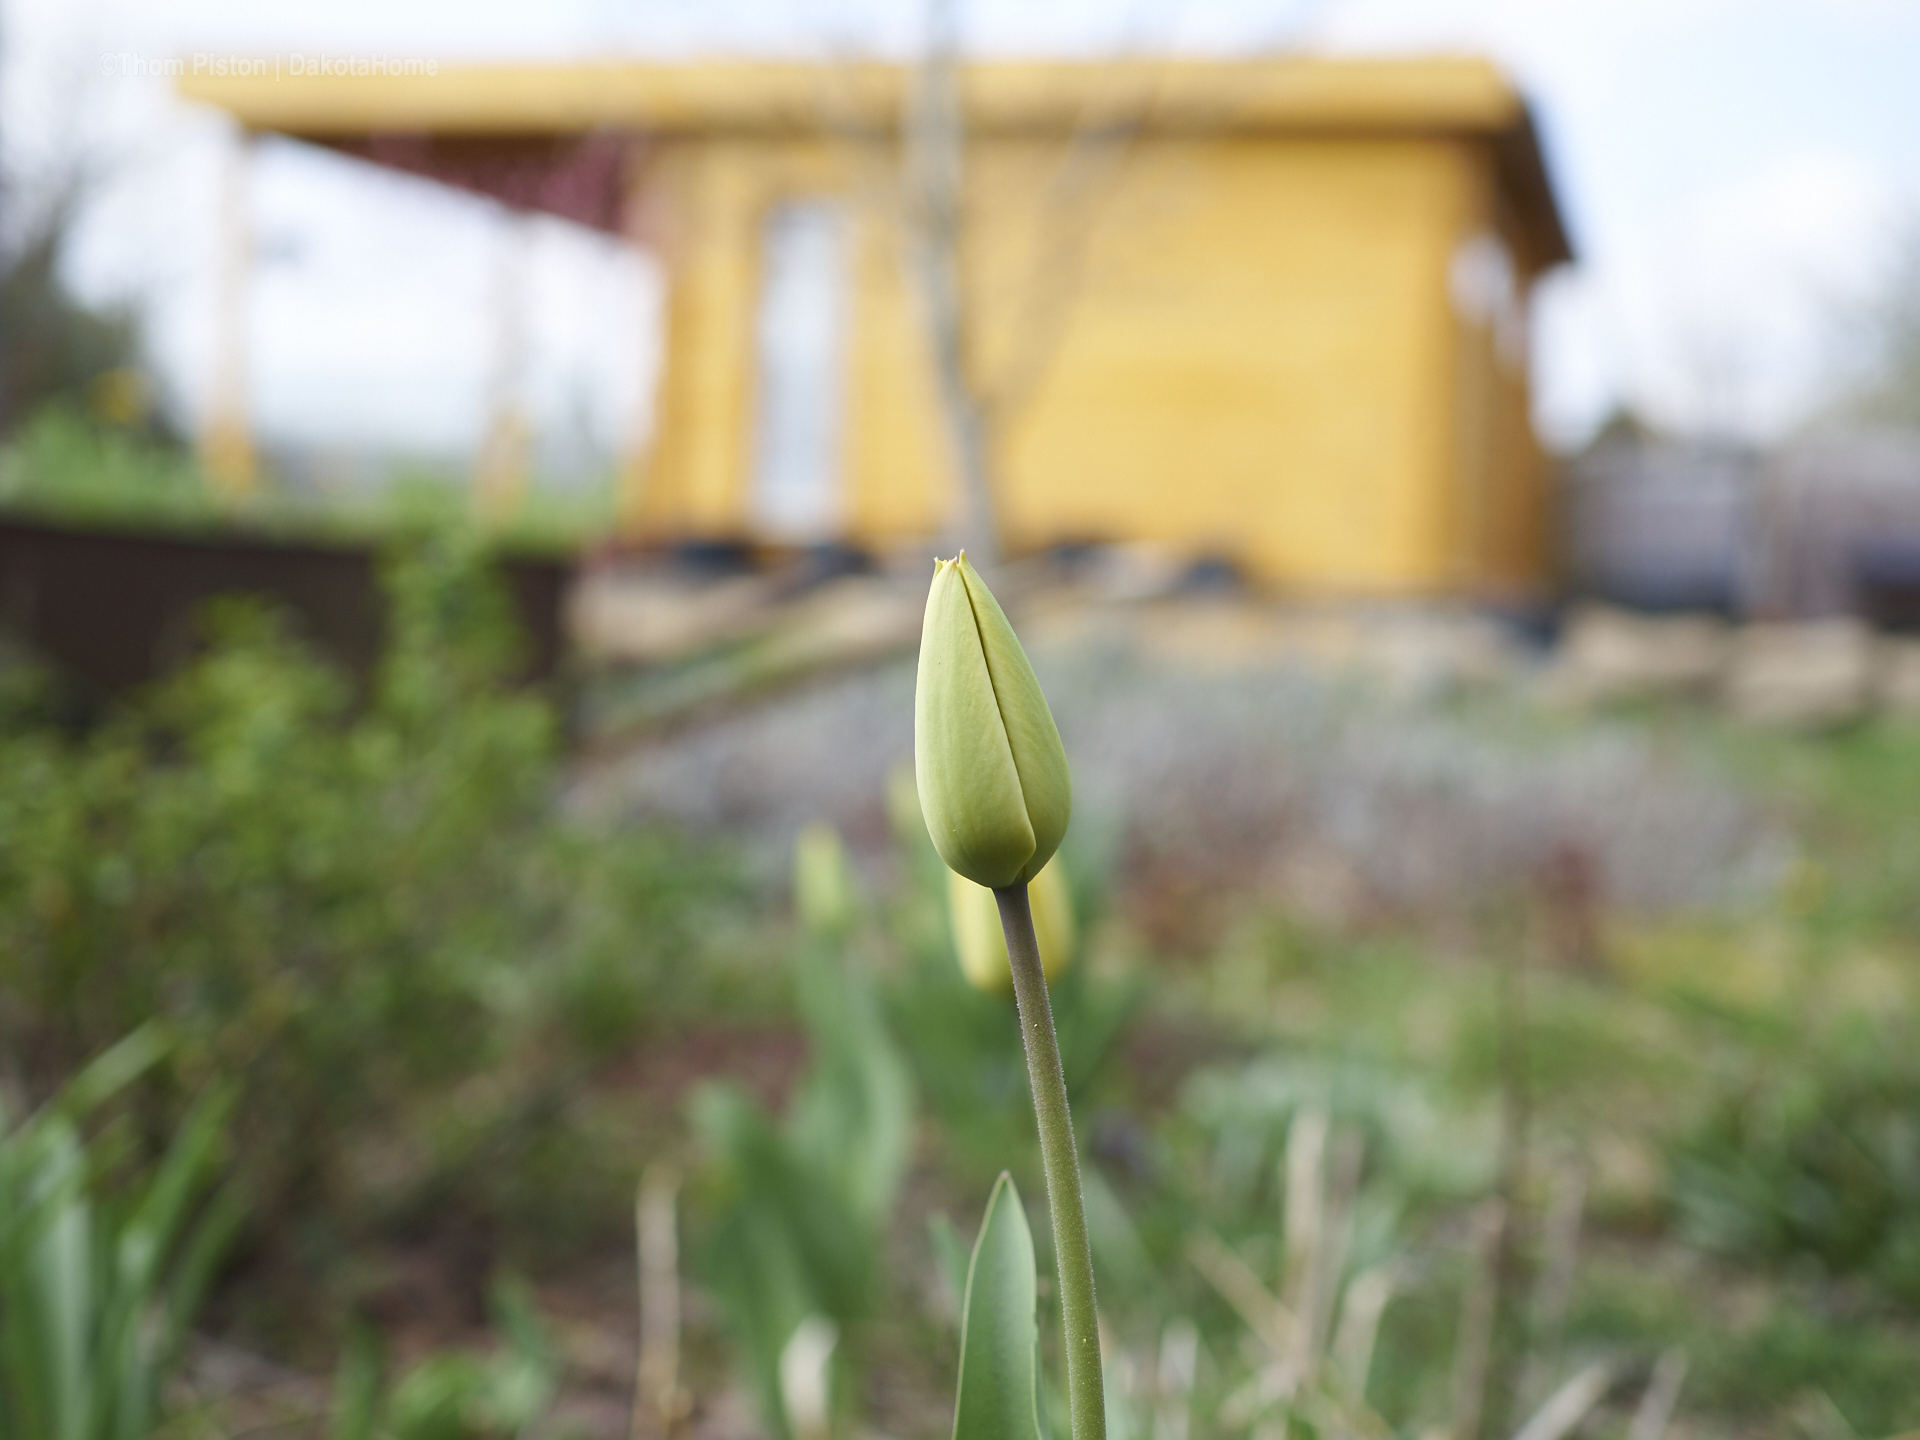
(982, 945)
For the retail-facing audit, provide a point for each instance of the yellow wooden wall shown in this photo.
(1499, 473)
(1239, 346)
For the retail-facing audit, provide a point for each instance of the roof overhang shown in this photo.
(535, 111)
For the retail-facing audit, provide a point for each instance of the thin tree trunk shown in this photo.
(936, 158)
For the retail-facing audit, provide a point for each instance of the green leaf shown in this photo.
(113, 1070)
(785, 1244)
(999, 1390)
(853, 1114)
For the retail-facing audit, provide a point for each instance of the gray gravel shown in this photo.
(1328, 790)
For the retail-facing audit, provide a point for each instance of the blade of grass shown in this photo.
(1569, 1405)
(1663, 1393)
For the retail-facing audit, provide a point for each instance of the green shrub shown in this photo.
(354, 906)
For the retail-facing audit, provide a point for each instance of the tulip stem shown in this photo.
(1086, 1397)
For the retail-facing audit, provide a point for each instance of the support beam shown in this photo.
(225, 440)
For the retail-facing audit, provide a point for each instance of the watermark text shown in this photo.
(286, 65)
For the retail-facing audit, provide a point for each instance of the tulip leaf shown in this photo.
(999, 1390)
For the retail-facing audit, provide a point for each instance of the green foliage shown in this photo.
(351, 906)
(453, 1394)
(102, 1264)
(1860, 1369)
(798, 1211)
(964, 1045)
(854, 1110)
(998, 1391)
(59, 464)
(1281, 1219)
(1815, 1162)
(1799, 1148)
(1431, 1151)
(1754, 1363)
(1742, 1073)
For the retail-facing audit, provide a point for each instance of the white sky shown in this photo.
(1732, 172)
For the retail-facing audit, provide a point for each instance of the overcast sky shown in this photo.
(1733, 172)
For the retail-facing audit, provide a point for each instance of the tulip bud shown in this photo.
(992, 773)
(982, 944)
(822, 888)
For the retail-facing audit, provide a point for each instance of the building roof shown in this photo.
(522, 105)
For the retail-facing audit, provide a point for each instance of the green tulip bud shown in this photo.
(822, 886)
(992, 773)
(982, 944)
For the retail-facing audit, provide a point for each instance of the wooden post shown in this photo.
(226, 437)
(643, 226)
(500, 476)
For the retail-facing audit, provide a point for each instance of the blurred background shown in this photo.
(471, 961)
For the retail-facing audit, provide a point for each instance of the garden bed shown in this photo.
(112, 607)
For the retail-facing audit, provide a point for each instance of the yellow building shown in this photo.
(1272, 312)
